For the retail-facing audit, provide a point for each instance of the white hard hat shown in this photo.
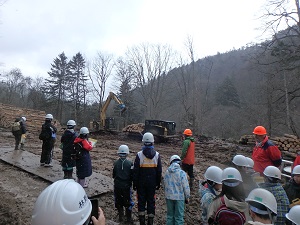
(263, 197)
(63, 202)
(71, 123)
(84, 130)
(214, 173)
(175, 158)
(296, 170)
(231, 177)
(24, 118)
(250, 162)
(49, 116)
(148, 138)
(294, 214)
(123, 149)
(239, 160)
(272, 171)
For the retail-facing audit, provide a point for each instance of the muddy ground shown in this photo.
(19, 190)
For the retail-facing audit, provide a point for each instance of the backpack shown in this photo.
(77, 151)
(16, 126)
(45, 133)
(227, 216)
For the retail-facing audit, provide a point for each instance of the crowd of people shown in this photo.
(232, 195)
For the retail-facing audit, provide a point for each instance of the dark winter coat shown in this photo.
(292, 190)
(84, 163)
(50, 129)
(147, 167)
(67, 141)
(122, 173)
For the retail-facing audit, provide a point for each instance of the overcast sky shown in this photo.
(34, 32)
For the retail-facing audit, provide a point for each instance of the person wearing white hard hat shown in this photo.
(294, 215)
(64, 202)
(177, 191)
(229, 207)
(67, 140)
(83, 159)
(240, 162)
(122, 175)
(48, 131)
(262, 207)
(146, 178)
(272, 177)
(209, 189)
(292, 187)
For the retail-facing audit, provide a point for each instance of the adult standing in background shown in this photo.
(46, 135)
(188, 154)
(265, 152)
(17, 129)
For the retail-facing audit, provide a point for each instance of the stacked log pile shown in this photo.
(134, 128)
(288, 144)
(34, 118)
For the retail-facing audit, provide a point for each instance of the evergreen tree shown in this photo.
(226, 94)
(55, 88)
(78, 84)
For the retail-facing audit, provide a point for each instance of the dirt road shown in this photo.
(19, 189)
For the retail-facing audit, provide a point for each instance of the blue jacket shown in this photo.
(176, 183)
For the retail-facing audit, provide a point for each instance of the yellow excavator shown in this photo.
(107, 123)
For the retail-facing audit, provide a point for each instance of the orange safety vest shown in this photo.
(190, 154)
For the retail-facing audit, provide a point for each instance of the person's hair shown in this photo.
(234, 193)
(261, 207)
(83, 136)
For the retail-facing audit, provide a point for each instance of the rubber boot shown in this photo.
(150, 219)
(66, 174)
(128, 216)
(121, 214)
(22, 147)
(16, 147)
(81, 182)
(142, 219)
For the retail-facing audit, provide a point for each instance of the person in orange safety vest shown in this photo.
(188, 154)
(265, 152)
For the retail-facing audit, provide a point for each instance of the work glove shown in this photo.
(157, 187)
(186, 201)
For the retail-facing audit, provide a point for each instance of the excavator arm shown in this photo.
(110, 97)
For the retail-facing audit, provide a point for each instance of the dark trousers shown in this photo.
(17, 139)
(189, 169)
(123, 198)
(146, 195)
(47, 148)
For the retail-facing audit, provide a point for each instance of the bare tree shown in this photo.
(99, 71)
(150, 64)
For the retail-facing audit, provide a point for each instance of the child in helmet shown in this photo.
(272, 176)
(209, 189)
(229, 207)
(46, 135)
(67, 140)
(240, 163)
(122, 175)
(294, 215)
(177, 191)
(292, 188)
(64, 202)
(262, 207)
(83, 163)
(147, 178)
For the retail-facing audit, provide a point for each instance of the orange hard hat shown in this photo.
(260, 130)
(188, 132)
